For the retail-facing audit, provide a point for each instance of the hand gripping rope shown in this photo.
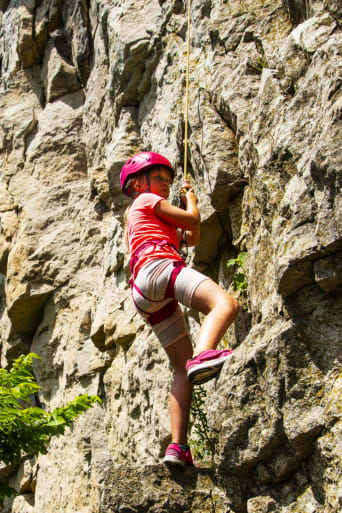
(186, 114)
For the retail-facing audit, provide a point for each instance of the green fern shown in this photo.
(204, 445)
(28, 430)
(239, 277)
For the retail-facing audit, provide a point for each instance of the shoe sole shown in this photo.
(174, 462)
(203, 372)
(199, 377)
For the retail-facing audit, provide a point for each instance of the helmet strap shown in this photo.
(148, 181)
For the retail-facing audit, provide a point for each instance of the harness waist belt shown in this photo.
(140, 249)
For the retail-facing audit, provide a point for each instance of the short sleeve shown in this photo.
(148, 200)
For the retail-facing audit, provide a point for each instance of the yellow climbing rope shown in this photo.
(186, 113)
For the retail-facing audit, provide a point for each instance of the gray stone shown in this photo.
(60, 77)
(299, 10)
(48, 18)
(333, 7)
(10, 61)
(161, 490)
(312, 34)
(76, 26)
(328, 272)
(23, 504)
(84, 85)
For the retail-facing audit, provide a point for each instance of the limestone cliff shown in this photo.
(84, 84)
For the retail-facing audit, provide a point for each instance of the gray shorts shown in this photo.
(152, 281)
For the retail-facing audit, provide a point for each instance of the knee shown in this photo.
(235, 306)
(231, 306)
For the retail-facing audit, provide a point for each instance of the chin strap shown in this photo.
(148, 182)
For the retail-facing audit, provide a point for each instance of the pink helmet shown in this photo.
(142, 162)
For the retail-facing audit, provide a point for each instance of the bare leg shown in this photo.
(181, 390)
(221, 310)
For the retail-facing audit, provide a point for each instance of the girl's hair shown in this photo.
(134, 187)
(131, 188)
(137, 185)
(140, 183)
(125, 226)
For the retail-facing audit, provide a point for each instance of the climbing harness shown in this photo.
(167, 310)
(140, 249)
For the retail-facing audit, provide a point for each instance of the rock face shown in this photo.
(84, 84)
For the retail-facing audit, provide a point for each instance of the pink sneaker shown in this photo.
(175, 455)
(206, 365)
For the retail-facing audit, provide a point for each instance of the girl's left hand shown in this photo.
(185, 185)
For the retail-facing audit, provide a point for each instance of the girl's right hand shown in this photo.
(187, 193)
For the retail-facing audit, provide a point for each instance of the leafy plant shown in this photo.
(5, 490)
(239, 277)
(203, 446)
(27, 430)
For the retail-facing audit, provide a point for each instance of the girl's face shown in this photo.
(160, 181)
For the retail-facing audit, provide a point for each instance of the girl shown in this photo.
(160, 279)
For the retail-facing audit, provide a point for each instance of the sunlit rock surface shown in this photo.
(83, 85)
